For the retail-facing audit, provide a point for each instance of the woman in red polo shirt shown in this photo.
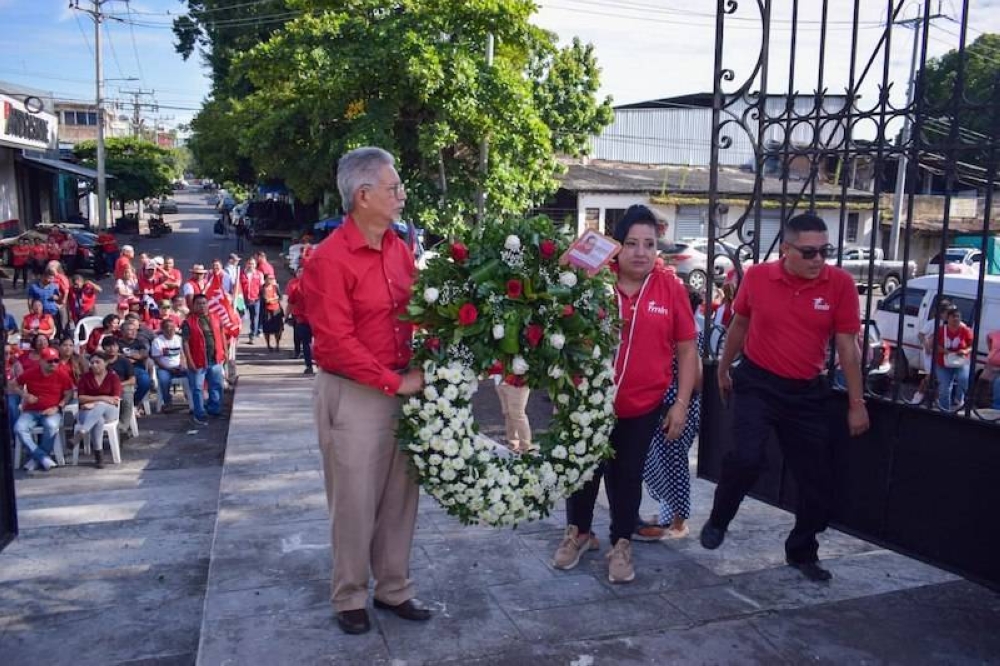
(37, 321)
(951, 366)
(657, 323)
(100, 393)
(20, 257)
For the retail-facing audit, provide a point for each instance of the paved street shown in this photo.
(212, 547)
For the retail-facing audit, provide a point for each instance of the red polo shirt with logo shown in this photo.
(355, 295)
(792, 319)
(653, 320)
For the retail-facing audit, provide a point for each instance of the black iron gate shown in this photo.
(836, 140)
(8, 507)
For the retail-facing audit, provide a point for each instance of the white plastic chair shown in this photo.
(84, 328)
(57, 446)
(110, 431)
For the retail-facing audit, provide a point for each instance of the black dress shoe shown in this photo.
(354, 621)
(811, 570)
(711, 536)
(411, 609)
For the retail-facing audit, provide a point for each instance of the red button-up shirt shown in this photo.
(354, 297)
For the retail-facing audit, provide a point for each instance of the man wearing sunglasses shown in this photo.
(786, 312)
(44, 390)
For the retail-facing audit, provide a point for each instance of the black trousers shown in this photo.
(795, 410)
(622, 474)
(303, 341)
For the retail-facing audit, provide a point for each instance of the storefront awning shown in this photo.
(59, 166)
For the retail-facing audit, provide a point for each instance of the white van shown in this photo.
(918, 303)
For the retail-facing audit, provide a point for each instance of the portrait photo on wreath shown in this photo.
(591, 252)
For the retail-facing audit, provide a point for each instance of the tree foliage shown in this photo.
(981, 74)
(138, 169)
(410, 77)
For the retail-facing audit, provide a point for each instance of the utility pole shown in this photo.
(484, 148)
(897, 201)
(137, 106)
(102, 181)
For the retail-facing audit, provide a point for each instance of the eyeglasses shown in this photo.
(398, 190)
(809, 252)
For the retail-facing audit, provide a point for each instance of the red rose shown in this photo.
(514, 380)
(547, 248)
(467, 314)
(514, 289)
(602, 313)
(568, 310)
(496, 368)
(459, 252)
(434, 344)
(534, 333)
(577, 380)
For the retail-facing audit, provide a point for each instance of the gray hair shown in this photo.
(358, 168)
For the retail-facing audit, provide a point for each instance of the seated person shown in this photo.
(37, 321)
(122, 367)
(45, 390)
(100, 395)
(167, 354)
(109, 327)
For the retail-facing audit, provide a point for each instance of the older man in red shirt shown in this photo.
(786, 313)
(357, 286)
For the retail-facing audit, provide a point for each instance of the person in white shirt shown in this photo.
(167, 353)
(926, 338)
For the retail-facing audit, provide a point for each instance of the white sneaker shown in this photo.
(31, 465)
(918, 398)
(48, 463)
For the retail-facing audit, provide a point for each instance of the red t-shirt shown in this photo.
(296, 301)
(111, 385)
(165, 293)
(793, 319)
(949, 342)
(265, 267)
(108, 243)
(54, 250)
(121, 264)
(19, 255)
(48, 388)
(355, 297)
(39, 252)
(653, 320)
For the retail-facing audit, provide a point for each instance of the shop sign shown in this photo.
(22, 127)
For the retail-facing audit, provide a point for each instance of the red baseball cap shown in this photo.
(49, 354)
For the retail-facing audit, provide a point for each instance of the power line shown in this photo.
(83, 34)
(135, 48)
(114, 53)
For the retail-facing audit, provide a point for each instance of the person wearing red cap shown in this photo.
(657, 323)
(786, 313)
(45, 390)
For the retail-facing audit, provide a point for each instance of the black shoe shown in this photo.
(411, 609)
(308, 371)
(811, 570)
(354, 621)
(712, 536)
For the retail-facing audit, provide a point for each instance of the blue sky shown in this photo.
(646, 48)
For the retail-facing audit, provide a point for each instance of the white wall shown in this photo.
(8, 186)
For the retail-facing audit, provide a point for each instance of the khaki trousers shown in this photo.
(513, 403)
(370, 492)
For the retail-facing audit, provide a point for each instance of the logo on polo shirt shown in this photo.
(820, 304)
(653, 308)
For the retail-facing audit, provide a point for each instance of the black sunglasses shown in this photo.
(808, 252)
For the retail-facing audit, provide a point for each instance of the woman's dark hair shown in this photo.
(637, 214)
(36, 336)
(106, 322)
(101, 355)
(696, 299)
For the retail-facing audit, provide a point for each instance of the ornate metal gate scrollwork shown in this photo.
(823, 113)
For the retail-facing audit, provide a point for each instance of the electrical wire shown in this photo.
(83, 33)
(114, 53)
(135, 48)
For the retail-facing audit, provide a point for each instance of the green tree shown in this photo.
(979, 111)
(215, 144)
(137, 169)
(413, 79)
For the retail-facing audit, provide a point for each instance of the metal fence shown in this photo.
(928, 142)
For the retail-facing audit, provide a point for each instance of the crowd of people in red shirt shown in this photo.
(164, 330)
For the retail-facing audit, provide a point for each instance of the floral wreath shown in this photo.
(500, 304)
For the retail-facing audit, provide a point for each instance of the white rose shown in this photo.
(513, 243)
(431, 294)
(559, 453)
(450, 393)
(498, 332)
(557, 340)
(567, 279)
(562, 399)
(430, 393)
(597, 351)
(519, 366)
(555, 372)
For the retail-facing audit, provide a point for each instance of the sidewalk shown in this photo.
(497, 600)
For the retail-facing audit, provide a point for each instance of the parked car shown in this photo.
(691, 264)
(85, 242)
(958, 260)
(919, 301)
(724, 254)
(162, 206)
(884, 272)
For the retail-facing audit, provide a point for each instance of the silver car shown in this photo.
(689, 258)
